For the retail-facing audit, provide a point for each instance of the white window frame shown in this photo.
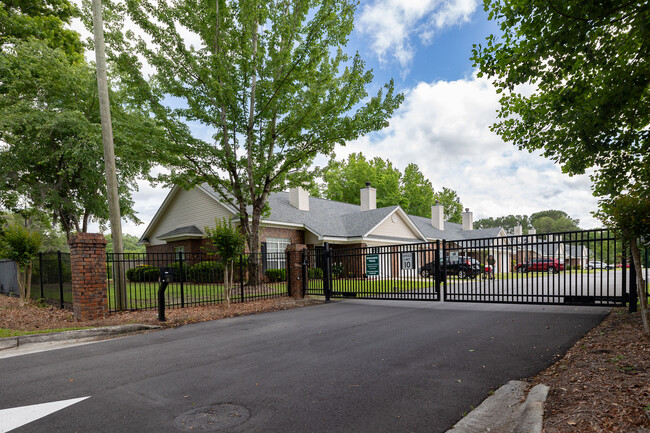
(275, 246)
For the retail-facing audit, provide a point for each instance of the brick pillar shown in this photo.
(88, 265)
(295, 277)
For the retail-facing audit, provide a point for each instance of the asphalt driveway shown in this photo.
(349, 366)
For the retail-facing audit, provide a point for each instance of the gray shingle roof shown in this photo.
(186, 230)
(337, 219)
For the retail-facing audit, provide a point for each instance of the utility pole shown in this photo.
(109, 155)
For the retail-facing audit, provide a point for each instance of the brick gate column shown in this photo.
(294, 279)
(88, 266)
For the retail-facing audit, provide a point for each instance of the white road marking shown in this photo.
(19, 416)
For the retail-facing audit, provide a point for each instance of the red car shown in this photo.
(541, 265)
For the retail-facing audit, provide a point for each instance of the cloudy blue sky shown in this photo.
(443, 124)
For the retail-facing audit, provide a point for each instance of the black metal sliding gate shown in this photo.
(570, 268)
(386, 272)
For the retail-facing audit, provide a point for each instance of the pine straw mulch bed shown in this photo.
(602, 384)
(34, 317)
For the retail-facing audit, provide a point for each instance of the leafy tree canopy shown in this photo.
(20, 244)
(548, 221)
(411, 190)
(52, 157)
(449, 199)
(44, 20)
(130, 244)
(53, 239)
(553, 221)
(508, 222)
(269, 81)
(588, 66)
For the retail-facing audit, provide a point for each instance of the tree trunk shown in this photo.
(254, 259)
(28, 283)
(640, 286)
(20, 278)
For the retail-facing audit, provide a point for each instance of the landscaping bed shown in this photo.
(602, 384)
(37, 318)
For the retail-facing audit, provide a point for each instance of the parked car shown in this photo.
(595, 264)
(541, 265)
(464, 267)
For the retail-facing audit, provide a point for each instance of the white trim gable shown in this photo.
(168, 206)
(226, 205)
(398, 210)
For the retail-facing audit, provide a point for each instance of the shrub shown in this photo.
(176, 269)
(337, 270)
(206, 272)
(143, 273)
(315, 273)
(275, 275)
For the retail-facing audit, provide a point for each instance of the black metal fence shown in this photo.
(52, 279)
(385, 272)
(577, 268)
(571, 268)
(194, 279)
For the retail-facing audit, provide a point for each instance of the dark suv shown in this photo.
(541, 265)
(464, 267)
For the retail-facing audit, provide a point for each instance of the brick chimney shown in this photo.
(368, 197)
(519, 230)
(438, 216)
(299, 198)
(468, 220)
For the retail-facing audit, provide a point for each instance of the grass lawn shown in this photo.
(145, 294)
(13, 333)
(372, 286)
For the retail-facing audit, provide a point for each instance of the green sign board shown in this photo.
(372, 265)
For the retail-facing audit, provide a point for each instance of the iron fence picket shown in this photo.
(197, 278)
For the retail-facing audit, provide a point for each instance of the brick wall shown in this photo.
(295, 277)
(191, 246)
(88, 264)
(297, 236)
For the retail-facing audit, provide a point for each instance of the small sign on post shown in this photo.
(372, 265)
(407, 261)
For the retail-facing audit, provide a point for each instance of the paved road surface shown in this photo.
(350, 366)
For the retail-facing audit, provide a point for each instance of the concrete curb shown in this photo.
(108, 331)
(508, 410)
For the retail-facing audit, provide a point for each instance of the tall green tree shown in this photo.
(228, 243)
(630, 214)
(587, 65)
(52, 238)
(130, 244)
(270, 81)
(553, 221)
(508, 222)
(417, 192)
(52, 156)
(410, 190)
(343, 180)
(449, 199)
(44, 20)
(21, 245)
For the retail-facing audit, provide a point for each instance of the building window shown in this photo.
(275, 248)
(179, 250)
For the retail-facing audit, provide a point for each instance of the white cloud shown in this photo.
(444, 128)
(391, 24)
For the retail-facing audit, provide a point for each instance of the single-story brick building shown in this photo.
(297, 218)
